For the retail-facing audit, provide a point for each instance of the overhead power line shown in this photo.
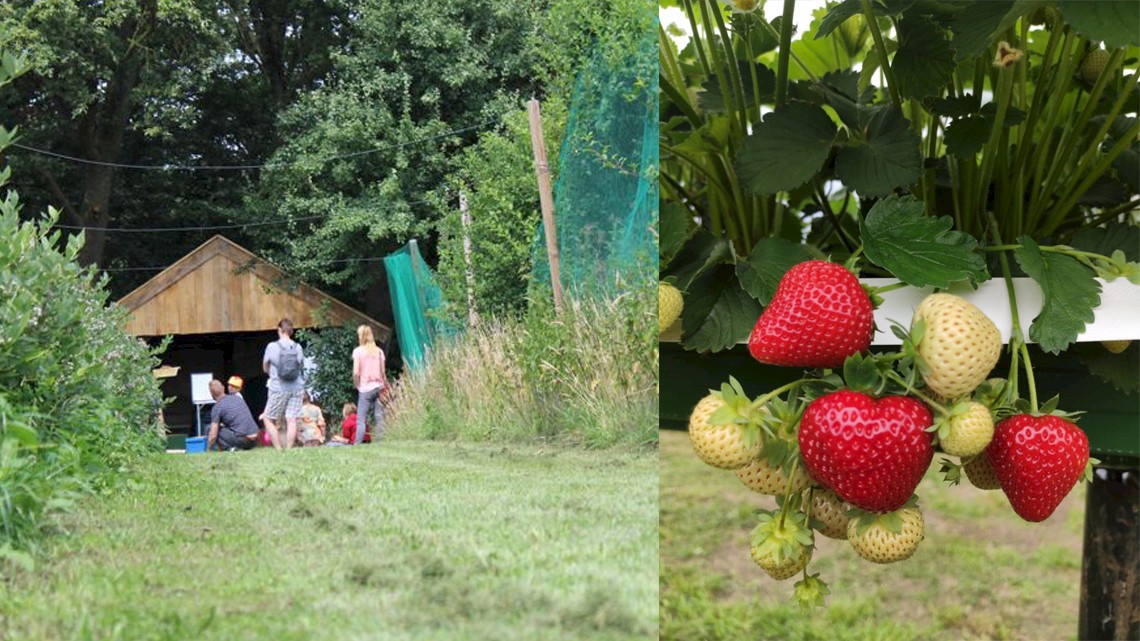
(277, 165)
(322, 262)
(261, 223)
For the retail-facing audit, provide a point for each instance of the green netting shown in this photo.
(414, 295)
(605, 199)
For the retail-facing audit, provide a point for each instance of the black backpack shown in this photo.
(289, 365)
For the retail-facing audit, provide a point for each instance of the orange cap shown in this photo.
(235, 381)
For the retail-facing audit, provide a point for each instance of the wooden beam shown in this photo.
(545, 198)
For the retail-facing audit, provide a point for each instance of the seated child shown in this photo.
(311, 424)
(348, 426)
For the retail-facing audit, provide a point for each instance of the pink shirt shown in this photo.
(369, 369)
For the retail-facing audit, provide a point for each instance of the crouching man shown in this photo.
(231, 423)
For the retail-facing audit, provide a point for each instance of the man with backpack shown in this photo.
(284, 363)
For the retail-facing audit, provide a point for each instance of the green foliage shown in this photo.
(331, 350)
(919, 250)
(786, 149)
(1053, 152)
(78, 401)
(77, 398)
(587, 377)
(1071, 294)
(497, 176)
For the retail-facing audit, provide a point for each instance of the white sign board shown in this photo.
(200, 388)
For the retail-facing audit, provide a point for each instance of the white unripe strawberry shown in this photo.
(887, 538)
(669, 306)
(782, 546)
(726, 446)
(763, 478)
(981, 474)
(831, 511)
(960, 344)
(970, 432)
(1116, 347)
(1093, 65)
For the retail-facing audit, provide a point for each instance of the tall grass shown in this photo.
(587, 377)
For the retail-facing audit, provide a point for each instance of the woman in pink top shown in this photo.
(368, 376)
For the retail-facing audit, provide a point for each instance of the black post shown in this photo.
(1110, 570)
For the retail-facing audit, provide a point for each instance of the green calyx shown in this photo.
(785, 541)
(889, 521)
(952, 472)
(738, 409)
(809, 592)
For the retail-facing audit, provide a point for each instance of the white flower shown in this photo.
(742, 6)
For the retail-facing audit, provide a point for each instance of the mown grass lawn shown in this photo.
(405, 540)
(981, 572)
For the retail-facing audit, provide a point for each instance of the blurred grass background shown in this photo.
(981, 572)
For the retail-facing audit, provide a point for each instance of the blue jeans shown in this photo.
(364, 402)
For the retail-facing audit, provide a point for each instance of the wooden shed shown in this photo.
(221, 303)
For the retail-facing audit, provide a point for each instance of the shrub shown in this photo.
(78, 402)
(588, 378)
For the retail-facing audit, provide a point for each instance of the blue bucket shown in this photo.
(196, 445)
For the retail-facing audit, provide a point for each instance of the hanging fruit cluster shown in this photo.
(843, 451)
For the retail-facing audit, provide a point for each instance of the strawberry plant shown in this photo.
(928, 143)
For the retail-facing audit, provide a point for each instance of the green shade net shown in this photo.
(605, 198)
(415, 295)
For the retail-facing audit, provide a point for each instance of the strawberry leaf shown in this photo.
(919, 250)
(718, 312)
(889, 157)
(1070, 294)
(786, 149)
(767, 263)
(924, 61)
(1113, 23)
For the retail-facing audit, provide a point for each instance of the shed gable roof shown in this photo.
(223, 287)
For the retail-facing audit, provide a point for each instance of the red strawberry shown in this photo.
(818, 317)
(872, 453)
(1038, 460)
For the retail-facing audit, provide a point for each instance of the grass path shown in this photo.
(408, 540)
(981, 572)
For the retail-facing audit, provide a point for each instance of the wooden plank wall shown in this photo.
(214, 298)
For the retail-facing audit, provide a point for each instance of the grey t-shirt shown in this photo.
(232, 412)
(273, 355)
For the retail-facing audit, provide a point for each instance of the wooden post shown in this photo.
(465, 215)
(1110, 570)
(545, 198)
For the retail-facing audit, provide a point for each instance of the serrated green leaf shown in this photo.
(976, 26)
(677, 227)
(918, 250)
(786, 149)
(924, 62)
(702, 252)
(1070, 293)
(1119, 370)
(1113, 23)
(1115, 236)
(718, 313)
(965, 137)
(889, 157)
(711, 100)
(767, 263)
(837, 15)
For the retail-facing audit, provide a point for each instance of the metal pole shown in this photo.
(545, 198)
(465, 215)
(1110, 569)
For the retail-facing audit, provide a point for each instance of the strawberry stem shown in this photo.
(763, 400)
(1016, 338)
(788, 492)
(910, 390)
(889, 288)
